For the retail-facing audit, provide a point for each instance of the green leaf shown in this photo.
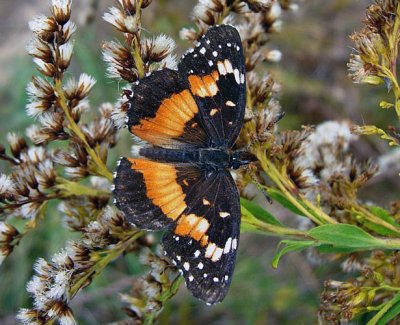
(390, 314)
(279, 197)
(259, 212)
(389, 311)
(329, 249)
(384, 215)
(291, 246)
(346, 236)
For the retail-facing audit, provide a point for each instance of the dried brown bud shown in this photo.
(61, 10)
(17, 144)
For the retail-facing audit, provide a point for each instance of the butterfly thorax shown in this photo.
(213, 159)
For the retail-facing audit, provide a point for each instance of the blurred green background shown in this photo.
(315, 46)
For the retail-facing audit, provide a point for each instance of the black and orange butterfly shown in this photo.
(181, 182)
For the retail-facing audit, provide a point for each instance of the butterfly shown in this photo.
(179, 181)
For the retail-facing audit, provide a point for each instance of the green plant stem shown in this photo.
(312, 212)
(391, 243)
(71, 188)
(101, 167)
(253, 224)
(137, 57)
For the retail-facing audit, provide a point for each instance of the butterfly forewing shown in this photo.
(163, 112)
(216, 74)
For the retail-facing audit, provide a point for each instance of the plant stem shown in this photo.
(62, 101)
(70, 188)
(311, 211)
(251, 223)
(137, 57)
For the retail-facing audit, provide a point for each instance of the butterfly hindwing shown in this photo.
(163, 112)
(216, 75)
(203, 242)
(151, 193)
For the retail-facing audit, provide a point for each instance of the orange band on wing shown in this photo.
(169, 122)
(205, 86)
(193, 226)
(162, 187)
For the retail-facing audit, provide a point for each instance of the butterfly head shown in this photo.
(241, 158)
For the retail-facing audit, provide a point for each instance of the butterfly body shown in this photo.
(207, 159)
(180, 182)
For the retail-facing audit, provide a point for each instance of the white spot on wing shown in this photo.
(186, 266)
(213, 111)
(215, 279)
(203, 50)
(224, 214)
(191, 278)
(210, 249)
(200, 266)
(221, 68)
(196, 253)
(202, 226)
(210, 63)
(228, 44)
(215, 53)
(228, 245)
(237, 76)
(205, 275)
(230, 103)
(234, 243)
(178, 257)
(242, 78)
(206, 202)
(217, 254)
(228, 66)
(226, 278)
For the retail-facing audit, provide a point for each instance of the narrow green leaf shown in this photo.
(346, 236)
(259, 212)
(389, 311)
(291, 246)
(384, 215)
(390, 314)
(279, 197)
